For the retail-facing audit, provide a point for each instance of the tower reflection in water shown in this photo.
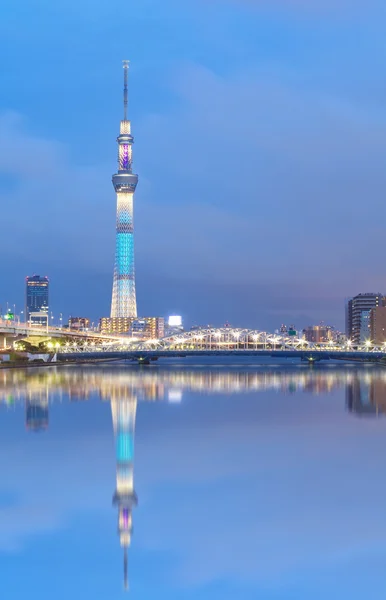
(123, 409)
(37, 389)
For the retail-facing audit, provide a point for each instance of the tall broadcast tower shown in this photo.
(124, 302)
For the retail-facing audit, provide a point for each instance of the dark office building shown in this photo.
(36, 298)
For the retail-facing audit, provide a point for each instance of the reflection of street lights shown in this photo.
(255, 338)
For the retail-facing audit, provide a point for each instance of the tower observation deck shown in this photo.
(124, 302)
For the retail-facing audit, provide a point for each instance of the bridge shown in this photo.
(221, 342)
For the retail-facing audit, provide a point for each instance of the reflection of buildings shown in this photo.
(366, 394)
(161, 383)
(123, 411)
(366, 397)
(36, 415)
(36, 410)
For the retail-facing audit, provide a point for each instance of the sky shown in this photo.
(261, 495)
(260, 137)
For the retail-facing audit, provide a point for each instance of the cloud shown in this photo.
(257, 176)
(265, 179)
(53, 203)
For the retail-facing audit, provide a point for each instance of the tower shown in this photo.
(124, 304)
(123, 410)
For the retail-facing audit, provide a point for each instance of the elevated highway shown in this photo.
(10, 332)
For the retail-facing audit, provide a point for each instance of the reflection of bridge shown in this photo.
(221, 342)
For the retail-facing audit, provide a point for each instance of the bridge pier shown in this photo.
(3, 341)
(311, 359)
(143, 360)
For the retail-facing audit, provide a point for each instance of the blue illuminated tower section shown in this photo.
(123, 412)
(124, 302)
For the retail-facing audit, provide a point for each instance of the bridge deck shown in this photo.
(148, 355)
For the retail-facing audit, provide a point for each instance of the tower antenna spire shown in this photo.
(125, 74)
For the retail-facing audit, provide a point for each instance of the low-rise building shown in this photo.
(138, 327)
(79, 323)
(317, 334)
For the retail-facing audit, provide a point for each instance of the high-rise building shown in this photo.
(124, 302)
(378, 325)
(358, 316)
(36, 308)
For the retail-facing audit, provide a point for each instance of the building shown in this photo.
(143, 328)
(148, 328)
(36, 309)
(124, 304)
(317, 334)
(358, 316)
(174, 326)
(292, 331)
(79, 323)
(378, 325)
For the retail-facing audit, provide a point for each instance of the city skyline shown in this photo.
(207, 218)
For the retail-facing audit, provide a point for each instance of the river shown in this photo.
(193, 481)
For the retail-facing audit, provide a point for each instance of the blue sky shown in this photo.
(260, 136)
(264, 495)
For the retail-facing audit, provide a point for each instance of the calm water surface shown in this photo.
(193, 482)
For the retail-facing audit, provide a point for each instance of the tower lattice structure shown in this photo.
(124, 302)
